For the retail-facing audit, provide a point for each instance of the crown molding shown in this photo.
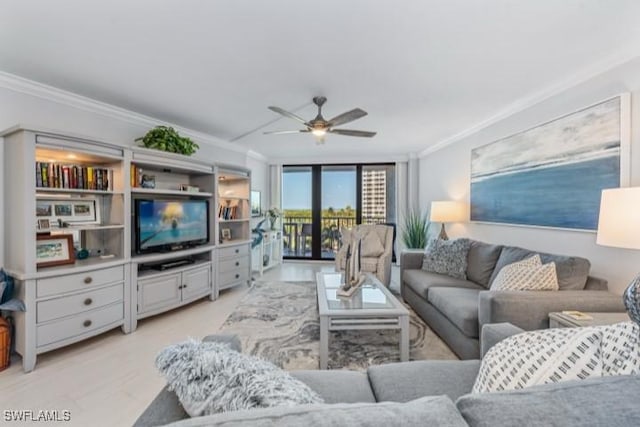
(613, 61)
(257, 156)
(40, 90)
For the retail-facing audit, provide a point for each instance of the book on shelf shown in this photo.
(75, 177)
(228, 212)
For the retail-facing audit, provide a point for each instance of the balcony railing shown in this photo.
(296, 232)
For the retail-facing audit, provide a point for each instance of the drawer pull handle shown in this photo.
(237, 263)
(184, 286)
(237, 251)
(88, 301)
(237, 276)
(86, 323)
(88, 280)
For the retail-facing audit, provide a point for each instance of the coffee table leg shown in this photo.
(324, 342)
(404, 338)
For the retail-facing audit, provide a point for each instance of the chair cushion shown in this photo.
(421, 281)
(572, 272)
(482, 261)
(447, 257)
(338, 386)
(460, 306)
(370, 265)
(607, 401)
(426, 411)
(527, 275)
(402, 382)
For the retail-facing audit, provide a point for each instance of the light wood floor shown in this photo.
(110, 379)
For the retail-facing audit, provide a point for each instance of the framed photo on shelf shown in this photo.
(43, 225)
(81, 211)
(52, 250)
(226, 234)
(255, 204)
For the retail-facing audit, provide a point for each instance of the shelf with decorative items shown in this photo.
(234, 227)
(68, 193)
(173, 231)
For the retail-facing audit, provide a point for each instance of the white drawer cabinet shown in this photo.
(233, 251)
(73, 304)
(162, 291)
(80, 325)
(234, 266)
(79, 281)
(67, 308)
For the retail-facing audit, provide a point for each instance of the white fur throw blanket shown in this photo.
(209, 377)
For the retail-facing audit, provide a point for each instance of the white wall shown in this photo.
(260, 179)
(445, 175)
(21, 108)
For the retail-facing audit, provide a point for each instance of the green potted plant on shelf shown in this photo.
(415, 229)
(165, 138)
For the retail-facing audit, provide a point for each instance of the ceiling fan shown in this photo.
(319, 127)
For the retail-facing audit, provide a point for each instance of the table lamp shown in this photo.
(447, 211)
(619, 226)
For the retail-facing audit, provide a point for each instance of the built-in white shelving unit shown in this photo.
(73, 188)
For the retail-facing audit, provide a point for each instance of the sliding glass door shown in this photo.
(297, 223)
(339, 205)
(319, 200)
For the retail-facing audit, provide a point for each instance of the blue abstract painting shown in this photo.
(551, 175)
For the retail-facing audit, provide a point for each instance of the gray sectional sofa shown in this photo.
(422, 393)
(457, 309)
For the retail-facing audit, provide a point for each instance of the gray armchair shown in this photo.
(380, 265)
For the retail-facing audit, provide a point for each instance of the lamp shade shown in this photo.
(619, 223)
(448, 211)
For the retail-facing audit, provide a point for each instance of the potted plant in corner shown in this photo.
(165, 138)
(415, 230)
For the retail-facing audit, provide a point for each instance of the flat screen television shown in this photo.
(165, 225)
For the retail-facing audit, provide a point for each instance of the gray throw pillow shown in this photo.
(209, 377)
(447, 257)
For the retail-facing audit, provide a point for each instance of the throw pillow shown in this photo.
(620, 349)
(527, 275)
(540, 357)
(447, 257)
(209, 377)
(371, 246)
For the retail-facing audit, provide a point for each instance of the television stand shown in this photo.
(174, 263)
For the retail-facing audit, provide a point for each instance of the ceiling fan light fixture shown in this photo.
(319, 127)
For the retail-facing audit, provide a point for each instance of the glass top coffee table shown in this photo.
(370, 307)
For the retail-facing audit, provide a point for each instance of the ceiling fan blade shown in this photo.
(288, 114)
(283, 132)
(347, 117)
(349, 132)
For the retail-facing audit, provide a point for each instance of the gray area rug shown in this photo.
(279, 322)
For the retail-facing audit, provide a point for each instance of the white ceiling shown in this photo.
(423, 69)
